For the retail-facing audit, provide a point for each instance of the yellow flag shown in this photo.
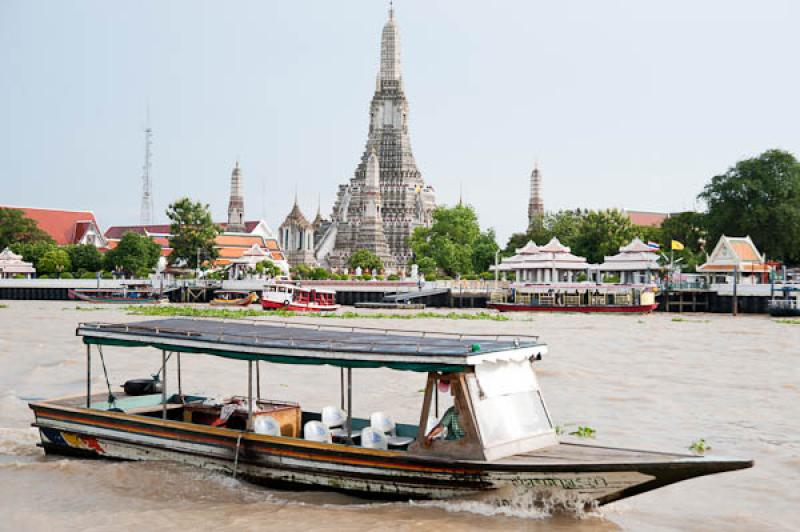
(677, 246)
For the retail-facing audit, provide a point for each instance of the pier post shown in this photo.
(735, 285)
(258, 382)
(180, 387)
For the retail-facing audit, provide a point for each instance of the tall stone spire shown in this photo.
(390, 50)
(236, 202)
(406, 201)
(536, 201)
(370, 232)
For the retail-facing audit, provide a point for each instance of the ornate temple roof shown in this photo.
(296, 217)
(553, 255)
(635, 256)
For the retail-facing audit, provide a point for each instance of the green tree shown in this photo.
(563, 224)
(33, 251)
(602, 233)
(759, 197)
(366, 260)
(15, 227)
(135, 254)
(688, 228)
(85, 257)
(301, 271)
(483, 251)
(269, 268)
(55, 261)
(450, 239)
(193, 233)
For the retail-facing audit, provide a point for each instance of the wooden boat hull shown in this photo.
(267, 304)
(296, 463)
(240, 302)
(519, 307)
(82, 296)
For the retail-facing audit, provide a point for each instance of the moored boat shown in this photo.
(233, 298)
(282, 296)
(575, 298)
(502, 437)
(129, 294)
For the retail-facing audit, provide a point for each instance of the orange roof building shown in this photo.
(231, 246)
(65, 226)
(735, 254)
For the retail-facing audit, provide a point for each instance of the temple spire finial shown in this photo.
(391, 9)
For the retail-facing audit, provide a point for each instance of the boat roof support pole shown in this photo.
(163, 384)
(88, 375)
(250, 395)
(180, 387)
(341, 387)
(258, 381)
(350, 405)
(426, 407)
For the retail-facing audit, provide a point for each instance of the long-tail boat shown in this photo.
(126, 294)
(233, 298)
(505, 437)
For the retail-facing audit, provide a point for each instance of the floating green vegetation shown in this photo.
(201, 312)
(788, 321)
(584, 432)
(3, 306)
(700, 446)
(687, 320)
(84, 309)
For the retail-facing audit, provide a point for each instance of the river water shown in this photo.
(652, 382)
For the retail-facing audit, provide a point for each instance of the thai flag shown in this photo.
(653, 245)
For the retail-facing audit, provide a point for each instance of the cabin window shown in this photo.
(508, 404)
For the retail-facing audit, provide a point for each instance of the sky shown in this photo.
(626, 104)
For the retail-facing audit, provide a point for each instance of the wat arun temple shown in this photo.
(386, 199)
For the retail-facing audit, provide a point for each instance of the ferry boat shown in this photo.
(504, 440)
(233, 298)
(292, 297)
(127, 294)
(575, 298)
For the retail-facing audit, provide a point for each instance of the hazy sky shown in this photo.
(631, 104)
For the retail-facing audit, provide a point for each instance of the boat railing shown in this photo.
(331, 342)
(784, 304)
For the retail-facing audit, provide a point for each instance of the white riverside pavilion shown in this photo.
(636, 263)
(551, 263)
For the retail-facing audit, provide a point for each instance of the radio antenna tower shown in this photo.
(146, 217)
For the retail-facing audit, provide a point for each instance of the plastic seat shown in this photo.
(381, 422)
(316, 431)
(373, 439)
(266, 425)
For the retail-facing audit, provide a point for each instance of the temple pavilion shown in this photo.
(636, 263)
(551, 263)
(732, 256)
(12, 265)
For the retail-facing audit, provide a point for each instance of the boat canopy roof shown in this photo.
(285, 343)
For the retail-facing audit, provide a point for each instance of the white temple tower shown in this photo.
(405, 202)
(236, 203)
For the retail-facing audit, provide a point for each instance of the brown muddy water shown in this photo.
(639, 381)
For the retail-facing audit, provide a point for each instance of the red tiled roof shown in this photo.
(65, 227)
(117, 231)
(647, 219)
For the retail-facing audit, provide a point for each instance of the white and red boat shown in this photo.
(291, 297)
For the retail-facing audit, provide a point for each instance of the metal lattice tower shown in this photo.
(146, 216)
